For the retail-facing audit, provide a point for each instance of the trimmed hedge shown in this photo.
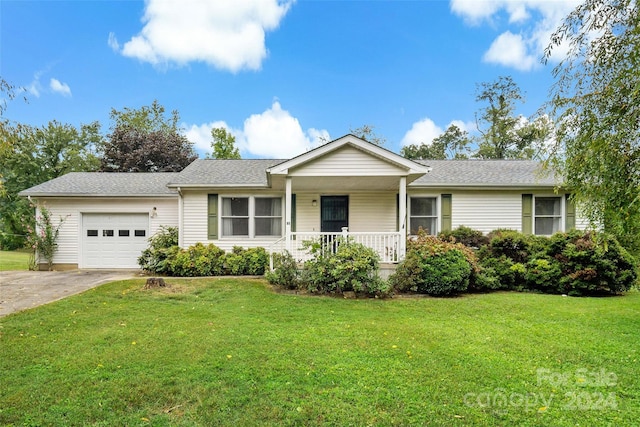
(164, 256)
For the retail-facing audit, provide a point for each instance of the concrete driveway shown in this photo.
(20, 290)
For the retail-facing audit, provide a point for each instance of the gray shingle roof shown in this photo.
(105, 184)
(252, 173)
(482, 173)
(225, 173)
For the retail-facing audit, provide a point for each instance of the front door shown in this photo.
(334, 213)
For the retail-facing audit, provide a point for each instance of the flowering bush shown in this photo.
(43, 238)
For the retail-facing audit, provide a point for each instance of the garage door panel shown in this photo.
(113, 240)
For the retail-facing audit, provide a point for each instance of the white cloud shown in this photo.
(425, 131)
(275, 133)
(511, 50)
(200, 135)
(530, 25)
(112, 41)
(422, 132)
(466, 126)
(272, 134)
(227, 34)
(59, 87)
(35, 86)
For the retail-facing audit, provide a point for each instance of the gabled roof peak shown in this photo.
(350, 140)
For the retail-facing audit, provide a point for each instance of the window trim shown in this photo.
(437, 216)
(561, 216)
(252, 216)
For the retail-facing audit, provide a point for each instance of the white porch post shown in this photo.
(287, 214)
(402, 216)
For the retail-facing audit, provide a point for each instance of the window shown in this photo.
(423, 213)
(92, 233)
(107, 233)
(268, 216)
(547, 215)
(140, 233)
(235, 216)
(123, 233)
(251, 216)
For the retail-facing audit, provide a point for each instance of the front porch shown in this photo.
(348, 188)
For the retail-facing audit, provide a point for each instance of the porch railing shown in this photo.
(386, 244)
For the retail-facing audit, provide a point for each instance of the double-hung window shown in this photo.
(268, 216)
(547, 215)
(423, 214)
(251, 216)
(235, 216)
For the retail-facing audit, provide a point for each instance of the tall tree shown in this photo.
(367, 133)
(145, 140)
(595, 104)
(452, 144)
(223, 145)
(36, 155)
(503, 134)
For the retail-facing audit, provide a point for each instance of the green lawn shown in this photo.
(14, 260)
(231, 352)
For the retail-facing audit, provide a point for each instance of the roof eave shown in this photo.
(145, 195)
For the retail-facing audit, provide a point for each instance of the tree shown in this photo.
(7, 93)
(506, 135)
(36, 155)
(223, 145)
(367, 133)
(595, 105)
(144, 140)
(452, 144)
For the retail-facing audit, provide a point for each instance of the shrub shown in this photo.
(465, 235)
(574, 263)
(162, 246)
(256, 261)
(510, 243)
(351, 267)
(501, 269)
(242, 261)
(285, 271)
(592, 264)
(197, 260)
(434, 267)
(543, 274)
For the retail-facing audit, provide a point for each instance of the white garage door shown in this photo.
(113, 240)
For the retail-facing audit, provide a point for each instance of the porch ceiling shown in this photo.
(338, 184)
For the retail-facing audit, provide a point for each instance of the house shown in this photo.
(347, 186)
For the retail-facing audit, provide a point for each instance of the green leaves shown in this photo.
(223, 144)
(594, 102)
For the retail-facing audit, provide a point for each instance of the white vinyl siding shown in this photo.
(370, 212)
(70, 237)
(307, 215)
(487, 210)
(194, 218)
(347, 161)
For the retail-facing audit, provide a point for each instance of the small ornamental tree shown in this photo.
(43, 238)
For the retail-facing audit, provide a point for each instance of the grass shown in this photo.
(232, 352)
(14, 260)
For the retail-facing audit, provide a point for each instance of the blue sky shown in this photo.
(280, 75)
